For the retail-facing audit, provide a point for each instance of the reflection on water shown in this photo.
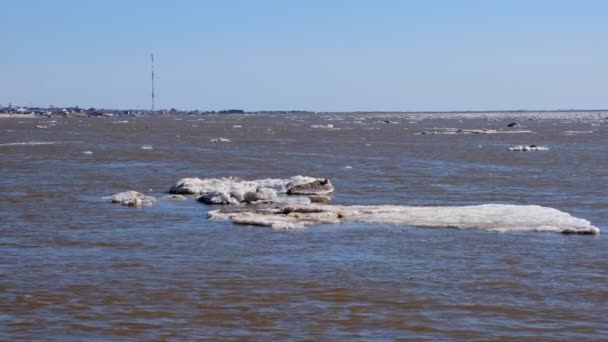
(74, 267)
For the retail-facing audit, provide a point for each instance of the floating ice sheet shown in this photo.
(496, 217)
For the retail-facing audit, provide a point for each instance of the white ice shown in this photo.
(496, 217)
(131, 199)
(235, 190)
(520, 148)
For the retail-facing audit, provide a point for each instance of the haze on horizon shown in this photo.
(309, 55)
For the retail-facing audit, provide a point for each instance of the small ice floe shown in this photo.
(520, 148)
(235, 190)
(120, 122)
(322, 126)
(494, 217)
(237, 126)
(219, 140)
(87, 152)
(131, 199)
(41, 126)
(450, 131)
(348, 167)
(146, 147)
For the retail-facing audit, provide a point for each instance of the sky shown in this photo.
(320, 55)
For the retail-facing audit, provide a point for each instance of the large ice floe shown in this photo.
(235, 190)
(496, 217)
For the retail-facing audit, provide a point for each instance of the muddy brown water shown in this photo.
(74, 267)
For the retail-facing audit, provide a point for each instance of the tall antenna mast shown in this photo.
(152, 61)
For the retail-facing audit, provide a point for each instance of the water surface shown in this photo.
(74, 267)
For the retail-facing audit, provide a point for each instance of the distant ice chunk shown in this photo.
(219, 140)
(495, 217)
(322, 126)
(455, 131)
(520, 148)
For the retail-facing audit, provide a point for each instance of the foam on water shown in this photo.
(33, 143)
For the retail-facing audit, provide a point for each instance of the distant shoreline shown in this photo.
(532, 115)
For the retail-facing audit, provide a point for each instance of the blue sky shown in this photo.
(314, 55)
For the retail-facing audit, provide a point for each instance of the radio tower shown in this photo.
(152, 61)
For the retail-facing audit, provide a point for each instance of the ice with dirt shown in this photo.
(234, 190)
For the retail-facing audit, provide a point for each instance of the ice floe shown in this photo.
(450, 131)
(495, 217)
(520, 148)
(322, 126)
(220, 140)
(234, 190)
(131, 199)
